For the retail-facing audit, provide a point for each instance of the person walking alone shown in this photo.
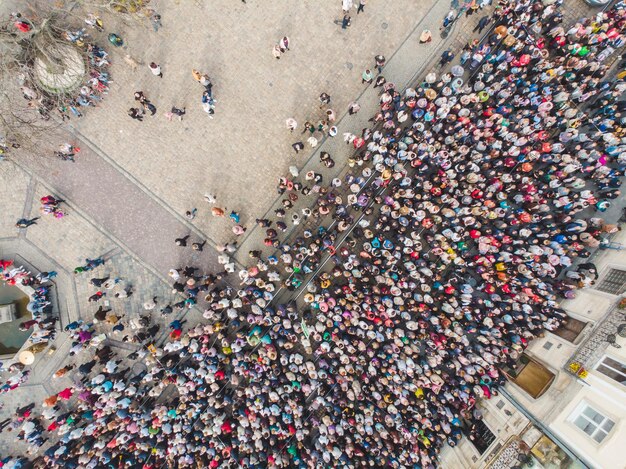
(276, 52)
(292, 124)
(482, 23)
(182, 242)
(353, 108)
(446, 57)
(178, 112)
(346, 21)
(380, 62)
(284, 44)
(25, 222)
(156, 69)
(198, 246)
(135, 114)
(155, 19)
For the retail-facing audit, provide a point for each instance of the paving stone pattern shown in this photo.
(13, 191)
(592, 349)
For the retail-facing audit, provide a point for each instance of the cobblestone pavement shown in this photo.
(239, 153)
(123, 209)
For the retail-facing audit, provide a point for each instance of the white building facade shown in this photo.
(565, 403)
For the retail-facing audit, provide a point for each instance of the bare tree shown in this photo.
(45, 67)
(48, 70)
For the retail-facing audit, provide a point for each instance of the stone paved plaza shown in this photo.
(133, 181)
(177, 162)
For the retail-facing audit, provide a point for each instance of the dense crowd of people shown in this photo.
(448, 253)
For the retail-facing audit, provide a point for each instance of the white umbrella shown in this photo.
(457, 83)
(26, 357)
(457, 70)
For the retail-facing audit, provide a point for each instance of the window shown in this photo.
(530, 375)
(570, 329)
(480, 435)
(614, 282)
(593, 423)
(613, 369)
(550, 454)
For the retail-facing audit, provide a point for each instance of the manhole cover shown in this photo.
(349, 65)
(384, 25)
